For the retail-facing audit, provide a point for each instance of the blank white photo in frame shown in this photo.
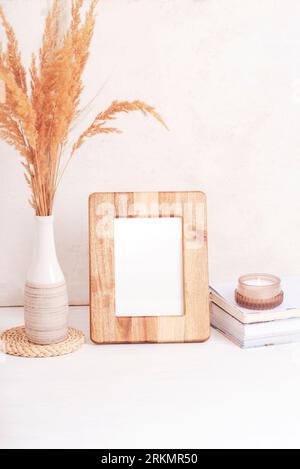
(148, 267)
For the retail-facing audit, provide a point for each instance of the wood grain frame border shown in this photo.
(194, 325)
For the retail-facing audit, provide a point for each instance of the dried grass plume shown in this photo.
(40, 107)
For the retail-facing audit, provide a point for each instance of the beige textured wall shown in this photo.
(226, 76)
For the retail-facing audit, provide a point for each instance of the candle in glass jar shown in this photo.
(259, 291)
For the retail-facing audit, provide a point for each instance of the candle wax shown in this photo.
(259, 282)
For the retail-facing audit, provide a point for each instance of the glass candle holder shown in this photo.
(259, 291)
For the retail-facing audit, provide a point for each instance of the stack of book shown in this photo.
(248, 328)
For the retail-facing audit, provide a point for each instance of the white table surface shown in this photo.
(210, 395)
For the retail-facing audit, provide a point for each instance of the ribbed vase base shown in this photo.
(46, 313)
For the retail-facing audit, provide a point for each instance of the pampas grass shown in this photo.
(37, 117)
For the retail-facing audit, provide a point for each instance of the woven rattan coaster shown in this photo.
(15, 342)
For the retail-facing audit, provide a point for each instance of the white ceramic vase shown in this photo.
(46, 298)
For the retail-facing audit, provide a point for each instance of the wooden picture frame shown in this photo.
(106, 327)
